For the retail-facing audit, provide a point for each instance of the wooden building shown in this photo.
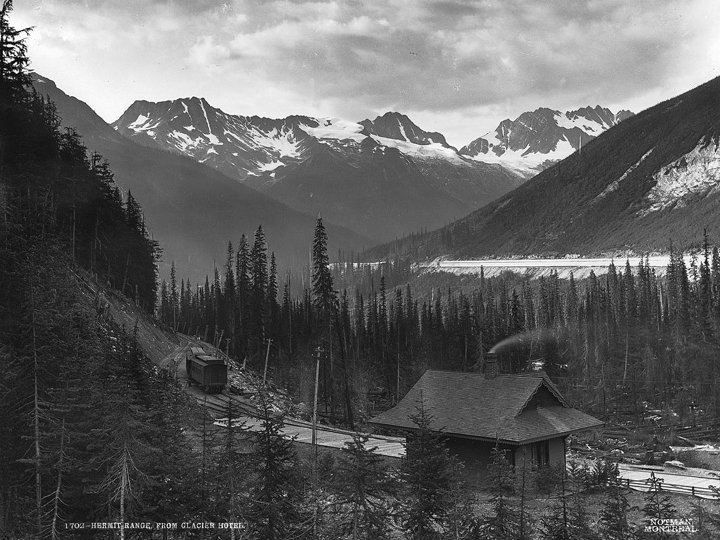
(524, 414)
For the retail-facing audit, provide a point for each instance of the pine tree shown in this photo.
(428, 476)
(613, 523)
(322, 283)
(365, 491)
(229, 297)
(566, 520)
(275, 493)
(14, 75)
(173, 297)
(504, 523)
(657, 506)
(258, 293)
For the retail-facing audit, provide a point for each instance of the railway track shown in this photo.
(221, 403)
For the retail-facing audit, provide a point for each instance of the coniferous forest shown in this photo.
(617, 344)
(92, 431)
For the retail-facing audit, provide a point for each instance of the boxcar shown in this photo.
(207, 371)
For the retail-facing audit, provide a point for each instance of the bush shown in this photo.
(599, 474)
(548, 478)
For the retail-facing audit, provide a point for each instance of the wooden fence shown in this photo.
(695, 491)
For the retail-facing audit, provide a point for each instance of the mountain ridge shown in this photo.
(358, 187)
(537, 139)
(650, 179)
(193, 210)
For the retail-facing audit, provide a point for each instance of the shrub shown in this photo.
(599, 474)
(548, 478)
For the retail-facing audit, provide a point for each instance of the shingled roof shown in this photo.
(472, 406)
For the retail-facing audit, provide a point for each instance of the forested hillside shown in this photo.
(651, 178)
(615, 345)
(69, 382)
(191, 208)
(90, 430)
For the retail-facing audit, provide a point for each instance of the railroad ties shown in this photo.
(300, 431)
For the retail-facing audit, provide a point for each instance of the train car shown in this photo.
(207, 371)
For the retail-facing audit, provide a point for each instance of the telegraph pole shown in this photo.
(267, 355)
(315, 403)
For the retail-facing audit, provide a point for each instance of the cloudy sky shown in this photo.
(458, 67)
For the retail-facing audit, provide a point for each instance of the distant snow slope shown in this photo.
(535, 140)
(385, 177)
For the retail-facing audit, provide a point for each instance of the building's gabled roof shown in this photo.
(469, 405)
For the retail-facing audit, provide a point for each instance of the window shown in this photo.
(540, 453)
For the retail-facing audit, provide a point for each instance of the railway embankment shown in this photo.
(167, 350)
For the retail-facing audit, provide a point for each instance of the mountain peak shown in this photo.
(395, 125)
(537, 139)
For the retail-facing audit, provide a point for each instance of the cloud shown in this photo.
(432, 58)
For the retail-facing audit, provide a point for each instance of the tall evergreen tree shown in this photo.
(14, 61)
(322, 283)
(428, 474)
(504, 523)
(275, 494)
(365, 491)
(614, 513)
(258, 295)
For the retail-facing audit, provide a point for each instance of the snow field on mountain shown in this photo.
(336, 129)
(522, 161)
(591, 127)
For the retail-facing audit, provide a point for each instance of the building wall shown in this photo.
(557, 452)
(476, 456)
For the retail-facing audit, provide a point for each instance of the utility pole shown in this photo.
(267, 355)
(315, 402)
(397, 381)
(318, 351)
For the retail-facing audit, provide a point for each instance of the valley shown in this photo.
(282, 309)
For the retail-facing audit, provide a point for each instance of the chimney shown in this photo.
(491, 365)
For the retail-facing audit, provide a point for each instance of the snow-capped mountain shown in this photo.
(384, 177)
(535, 140)
(236, 145)
(399, 127)
(651, 180)
(193, 210)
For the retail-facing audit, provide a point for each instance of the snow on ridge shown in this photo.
(697, 173)
(402, 130)
(335, 128)
(422, 151)
(616, 183)
(526, 163)
(139, 121)
(271, 166)
(184, 142)
(213, 139)
(285, 145)
(591, 127)
(202, 106)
